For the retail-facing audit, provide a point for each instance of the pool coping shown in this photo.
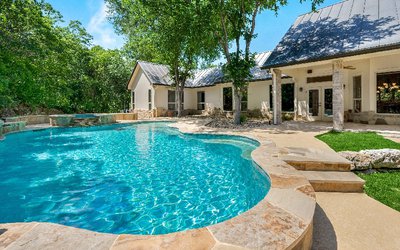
(283, 219)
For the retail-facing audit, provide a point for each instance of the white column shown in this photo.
(277, 95)
(338, 95)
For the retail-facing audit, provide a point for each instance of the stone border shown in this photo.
(282, 220)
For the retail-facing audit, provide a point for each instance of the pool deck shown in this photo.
(284, 219)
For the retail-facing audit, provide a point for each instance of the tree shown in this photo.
(172, 32)
(234, 23)
(46, 67)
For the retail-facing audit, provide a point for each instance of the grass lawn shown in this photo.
(384, 187)
(356, 141)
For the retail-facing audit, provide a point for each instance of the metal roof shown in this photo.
(159, 74)
(347, 28)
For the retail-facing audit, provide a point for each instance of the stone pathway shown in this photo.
(354, 221)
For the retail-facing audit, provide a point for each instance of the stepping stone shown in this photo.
(329, 181)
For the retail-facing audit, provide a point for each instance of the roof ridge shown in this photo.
(328, 6)
(158, 64)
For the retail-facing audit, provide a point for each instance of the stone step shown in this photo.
(331, 181)
(319, 165)
(311, 159)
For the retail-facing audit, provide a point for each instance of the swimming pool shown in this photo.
(145, 178)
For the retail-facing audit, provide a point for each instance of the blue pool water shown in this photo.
(141, 179)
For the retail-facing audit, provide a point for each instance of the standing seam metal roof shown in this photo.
(346, 28)
(159, 74)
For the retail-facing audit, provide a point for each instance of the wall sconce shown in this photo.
(301, 89)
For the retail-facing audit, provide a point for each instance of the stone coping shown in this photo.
(282, 220)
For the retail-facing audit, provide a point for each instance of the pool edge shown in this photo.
(281, 220)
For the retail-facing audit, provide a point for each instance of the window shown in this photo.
(171, 99)
(287, 97)
(271, 97)
(328, 102)
(201, 100)
(243, 103)
(227, 99)
(149, 99)
(357, 94)
(388, 93)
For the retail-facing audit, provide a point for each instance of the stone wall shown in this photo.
(13, 126)
(76, 121)
(125, 116)
(144, 114)
(373, 118)
(30, 119)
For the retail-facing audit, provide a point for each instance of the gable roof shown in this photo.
(347, 28)
(158, 74)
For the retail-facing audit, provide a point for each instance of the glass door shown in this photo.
(328, 106)
(314, 104)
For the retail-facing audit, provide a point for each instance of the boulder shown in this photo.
(373, 159)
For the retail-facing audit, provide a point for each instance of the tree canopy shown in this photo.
(234, 23)
(47, 67)
(176, 33)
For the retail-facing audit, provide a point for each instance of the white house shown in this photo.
(345, 62)
(207, 91)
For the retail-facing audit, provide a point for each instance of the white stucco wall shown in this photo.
(141, 86)
(367, 66)
(258, 93)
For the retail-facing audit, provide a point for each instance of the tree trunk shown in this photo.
(238, 99)
(178, 100)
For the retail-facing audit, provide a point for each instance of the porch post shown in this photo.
(338, 99)
(277, 95)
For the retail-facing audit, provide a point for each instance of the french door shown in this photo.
(320, 103)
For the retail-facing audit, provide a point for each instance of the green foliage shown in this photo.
(351, 141)
(238, 69)
(44, 66)
(384, 187)
(234, 23)
(172, 32)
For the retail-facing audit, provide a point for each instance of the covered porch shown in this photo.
(360, 89)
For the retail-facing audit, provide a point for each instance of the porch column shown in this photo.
(338, 95)
(277, 95)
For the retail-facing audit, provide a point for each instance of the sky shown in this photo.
(93, 15)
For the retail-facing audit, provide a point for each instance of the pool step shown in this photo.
(332, 181)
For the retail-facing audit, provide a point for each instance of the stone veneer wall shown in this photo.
(13, 126)
(373, 118)
(72, 121)
(144, 114)
(30, 119)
